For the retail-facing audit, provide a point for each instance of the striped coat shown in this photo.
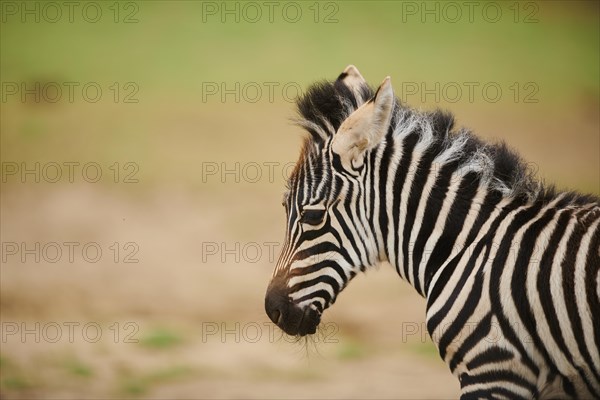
(510, 268)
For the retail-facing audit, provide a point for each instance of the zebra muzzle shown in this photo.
(288, 316)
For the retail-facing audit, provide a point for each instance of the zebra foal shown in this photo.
(495, 253)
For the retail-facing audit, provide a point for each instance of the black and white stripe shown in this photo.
(510, 268)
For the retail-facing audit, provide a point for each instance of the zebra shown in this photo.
(496, 253)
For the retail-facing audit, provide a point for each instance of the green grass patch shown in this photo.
(16, 383)
(169, 374)
(161, 338)
(78, 368)
(133, 386)
(426, 349)
(12, 377)
(137, 385)
(351, 351)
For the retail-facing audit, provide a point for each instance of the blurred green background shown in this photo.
(185, 98)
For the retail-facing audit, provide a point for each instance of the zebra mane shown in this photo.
(326, 104)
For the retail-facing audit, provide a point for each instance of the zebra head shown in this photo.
(329, 235)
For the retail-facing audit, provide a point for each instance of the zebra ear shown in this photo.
(353, 80)
(365, 128)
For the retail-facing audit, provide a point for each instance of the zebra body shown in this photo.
(510, 269)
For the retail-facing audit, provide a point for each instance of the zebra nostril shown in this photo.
(276, 301)
(274, 306)
(274, 313)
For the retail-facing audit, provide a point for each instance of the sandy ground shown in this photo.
(186, 318)
(172, 304)
(180, 323)
(162, 296)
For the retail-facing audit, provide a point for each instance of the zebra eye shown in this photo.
(312, 216)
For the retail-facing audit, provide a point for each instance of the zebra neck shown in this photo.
(429, 202)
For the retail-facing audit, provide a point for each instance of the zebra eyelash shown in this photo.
(285, 199)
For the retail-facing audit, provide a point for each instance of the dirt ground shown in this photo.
(150, 282)
(155, 289)
(180, 323)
